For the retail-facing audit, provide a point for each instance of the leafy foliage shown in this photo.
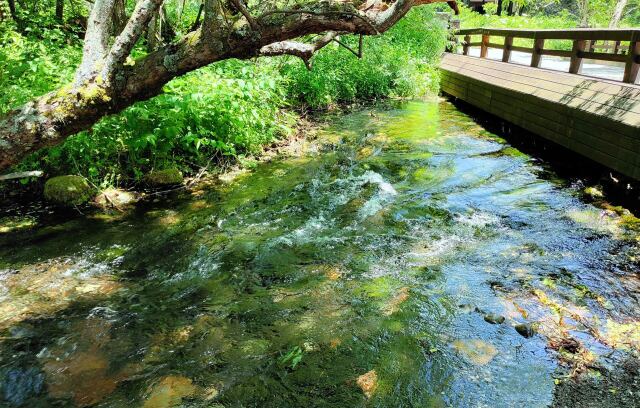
(399, 63)
(34, 64)
(225, 110)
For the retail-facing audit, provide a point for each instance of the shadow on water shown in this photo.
(367, 272)
(566, 166)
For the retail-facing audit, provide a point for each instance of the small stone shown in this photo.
(493, 318)
(115, 198)
(163, 178)
(476, 351)
(525, 330)
(68, 190)
(368, 382)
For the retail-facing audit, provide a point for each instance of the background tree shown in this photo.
(109, 79)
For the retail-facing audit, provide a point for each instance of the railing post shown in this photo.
(536, 54)
(465, 46)
(484, 46)
(576, 56)
(506, 52)
(632, 66)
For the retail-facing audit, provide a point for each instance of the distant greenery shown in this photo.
(217, 114)
(402, 63)
(35, 63)
(470, 19)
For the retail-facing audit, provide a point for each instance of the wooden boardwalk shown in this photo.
(597, 118)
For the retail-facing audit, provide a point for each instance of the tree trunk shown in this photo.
(499, 10)
(510, 9)
(12, 10)
(617, 13)
(105, 84)
(154, 33)
(584, 11)
(60, 10)
(119, 17)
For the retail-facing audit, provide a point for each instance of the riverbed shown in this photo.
(407, 258)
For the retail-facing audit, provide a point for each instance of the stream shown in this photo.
(388, 265)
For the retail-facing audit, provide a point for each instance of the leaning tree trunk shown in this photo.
(617, 13)
(107, 82)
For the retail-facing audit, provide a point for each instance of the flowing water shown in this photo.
(363, 272)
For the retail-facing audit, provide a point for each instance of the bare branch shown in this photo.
(358, 53)
(298, 49)
(23, 174)
(239, 4)
(326, 13)
(48, 120)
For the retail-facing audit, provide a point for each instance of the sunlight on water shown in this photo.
(408, 258)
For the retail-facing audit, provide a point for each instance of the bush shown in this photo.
(399, 63)
(31, 66)
(223, 111)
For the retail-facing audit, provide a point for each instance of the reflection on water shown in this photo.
(388, 266)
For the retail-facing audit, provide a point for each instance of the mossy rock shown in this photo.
(166, 177)
(68, 190)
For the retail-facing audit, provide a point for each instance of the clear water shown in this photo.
(356, 274)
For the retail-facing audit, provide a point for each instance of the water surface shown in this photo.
(359, 273)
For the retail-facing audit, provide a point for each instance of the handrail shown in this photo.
(584, 46)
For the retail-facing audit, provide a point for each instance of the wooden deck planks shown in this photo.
(597, 119)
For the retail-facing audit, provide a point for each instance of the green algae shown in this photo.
(68, 190)
(165, 177)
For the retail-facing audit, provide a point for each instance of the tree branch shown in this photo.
(96, 39)
(298, 49)
(124, 43)
(239, 4)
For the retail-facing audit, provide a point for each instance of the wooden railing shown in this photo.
(624, 45)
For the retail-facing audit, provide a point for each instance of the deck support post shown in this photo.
(484, 46)
(465, 45)
(632, 65)
(506, 53)
(575, 66)
(536, 54)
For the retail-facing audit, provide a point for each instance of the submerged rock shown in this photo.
(163, 178)
(475, 350)
(169, 392)
(368, 382)
(18, 384)
(115, 198)
(394, 303)
(525, 330)
(493, 318)
(68, 190)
